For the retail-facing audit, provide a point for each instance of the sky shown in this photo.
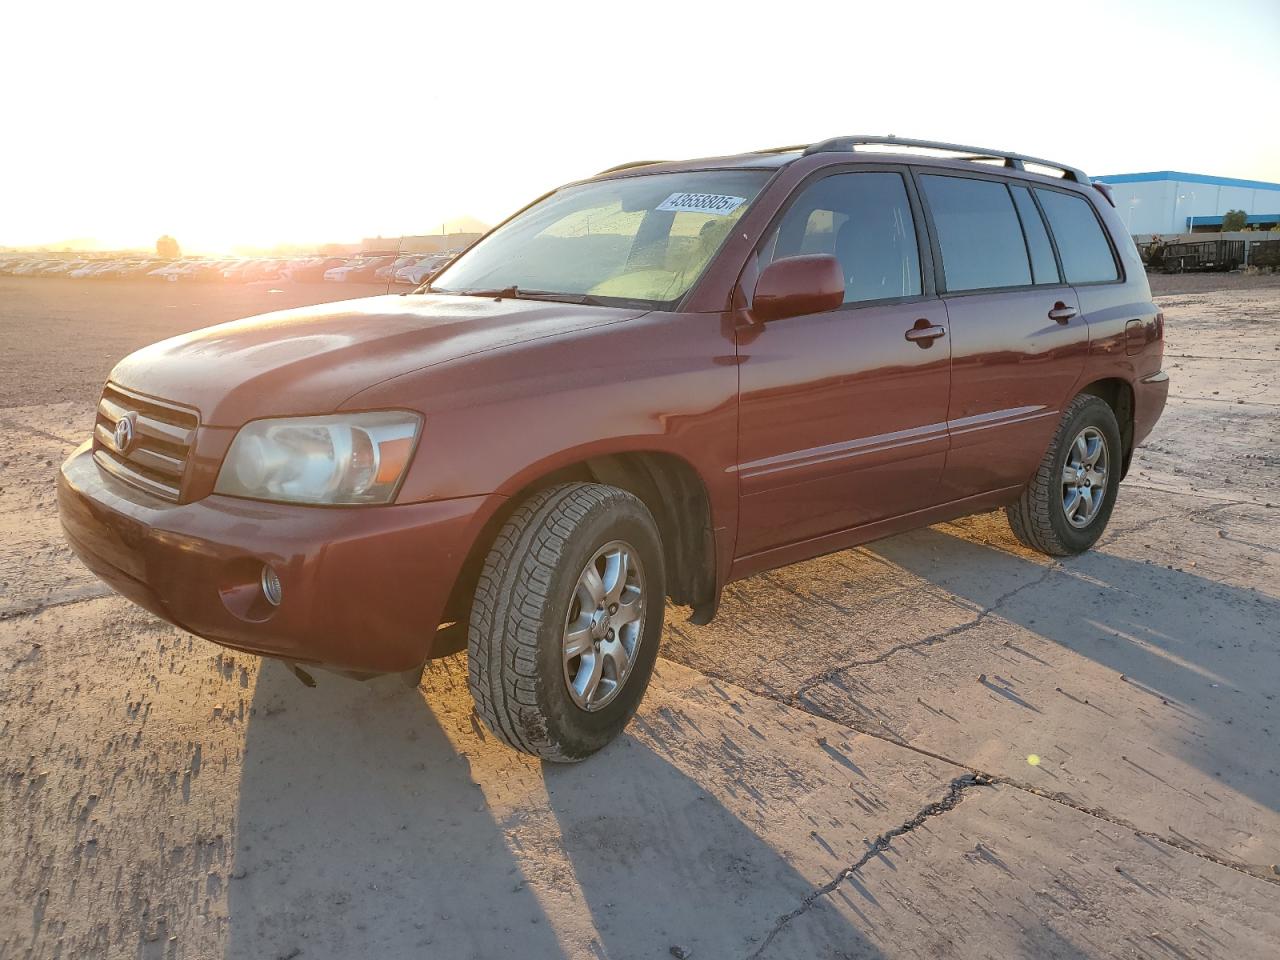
(228, 123)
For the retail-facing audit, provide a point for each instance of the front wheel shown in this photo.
(566, 620)
(1067, 504)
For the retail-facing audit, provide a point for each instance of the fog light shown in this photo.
(271, 585)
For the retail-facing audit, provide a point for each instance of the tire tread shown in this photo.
(508, 610)
(1029, 517)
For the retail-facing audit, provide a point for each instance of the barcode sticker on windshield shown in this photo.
(716, 203)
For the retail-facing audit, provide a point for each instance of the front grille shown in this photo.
(156, 458)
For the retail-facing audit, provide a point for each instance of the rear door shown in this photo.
(1090, 263)
(1018, 340)
(842, 416)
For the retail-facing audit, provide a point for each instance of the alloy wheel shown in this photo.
(604, 625)
(1084, 477)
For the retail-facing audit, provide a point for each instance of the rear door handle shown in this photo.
(1062, 313)
(924, 333)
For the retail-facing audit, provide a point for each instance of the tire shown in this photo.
(1040, 517)
(533, 580)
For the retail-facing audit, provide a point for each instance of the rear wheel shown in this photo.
(1067, 504)
(566, 620)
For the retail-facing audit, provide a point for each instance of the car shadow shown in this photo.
(666, 870)
(361, 833)
(1202, 646)
(363, 830)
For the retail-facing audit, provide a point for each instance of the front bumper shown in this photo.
(364, 588)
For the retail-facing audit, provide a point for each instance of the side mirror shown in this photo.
(795, 286)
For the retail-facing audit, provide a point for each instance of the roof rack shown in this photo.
(1014, 161)
(628, 166)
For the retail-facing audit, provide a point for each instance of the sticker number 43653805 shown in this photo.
(716, 203)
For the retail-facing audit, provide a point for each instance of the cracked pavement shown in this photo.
(939, 744)
(955, 793)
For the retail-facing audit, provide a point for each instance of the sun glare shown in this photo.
(261, 124)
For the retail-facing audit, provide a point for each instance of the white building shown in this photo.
(1167, 201)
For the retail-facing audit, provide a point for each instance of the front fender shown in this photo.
(497, 421)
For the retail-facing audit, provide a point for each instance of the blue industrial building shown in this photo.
(1169, 201)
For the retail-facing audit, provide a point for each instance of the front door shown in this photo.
(843, 414)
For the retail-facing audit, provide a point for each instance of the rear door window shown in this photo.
(862, 219)
(1044, 268)
(978, 233)
(1086, 255)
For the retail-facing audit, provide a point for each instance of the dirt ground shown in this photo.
(1163, 285)
(938, 745)
(61, 338)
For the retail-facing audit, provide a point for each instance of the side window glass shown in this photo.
(1086, 255)
(862, 219)
(1044, 269)
(978, 233)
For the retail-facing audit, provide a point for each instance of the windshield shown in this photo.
(645, 238)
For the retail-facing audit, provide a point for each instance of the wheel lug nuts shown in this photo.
(613, 608)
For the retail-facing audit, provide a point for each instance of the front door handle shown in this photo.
(924, 333)
(1062, 313)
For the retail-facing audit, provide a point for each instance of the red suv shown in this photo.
(639, 388)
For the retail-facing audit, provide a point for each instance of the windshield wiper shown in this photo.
(515, 293)
(512, 291)
(582, 298)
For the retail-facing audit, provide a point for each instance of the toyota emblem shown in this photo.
(124, 434)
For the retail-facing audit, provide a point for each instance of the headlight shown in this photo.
(342, 458)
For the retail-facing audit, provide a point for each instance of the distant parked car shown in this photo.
(357, 270)
(33, 267)
(420, 270)
(261, 270)
(249, 271)
(167, 271)
(313, 269)
(232, 271)
(386, 273)
(87, 269)
(292, 264)
(63, 267)
(127, 268)
(207, 270)
(184, 270)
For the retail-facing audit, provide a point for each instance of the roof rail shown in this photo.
(1015, 161)
(628, 166)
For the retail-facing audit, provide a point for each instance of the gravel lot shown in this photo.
(939, 745)
(62, 337)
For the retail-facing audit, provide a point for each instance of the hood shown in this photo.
(310, 360)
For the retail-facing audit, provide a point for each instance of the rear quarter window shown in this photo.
(1086, 254)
